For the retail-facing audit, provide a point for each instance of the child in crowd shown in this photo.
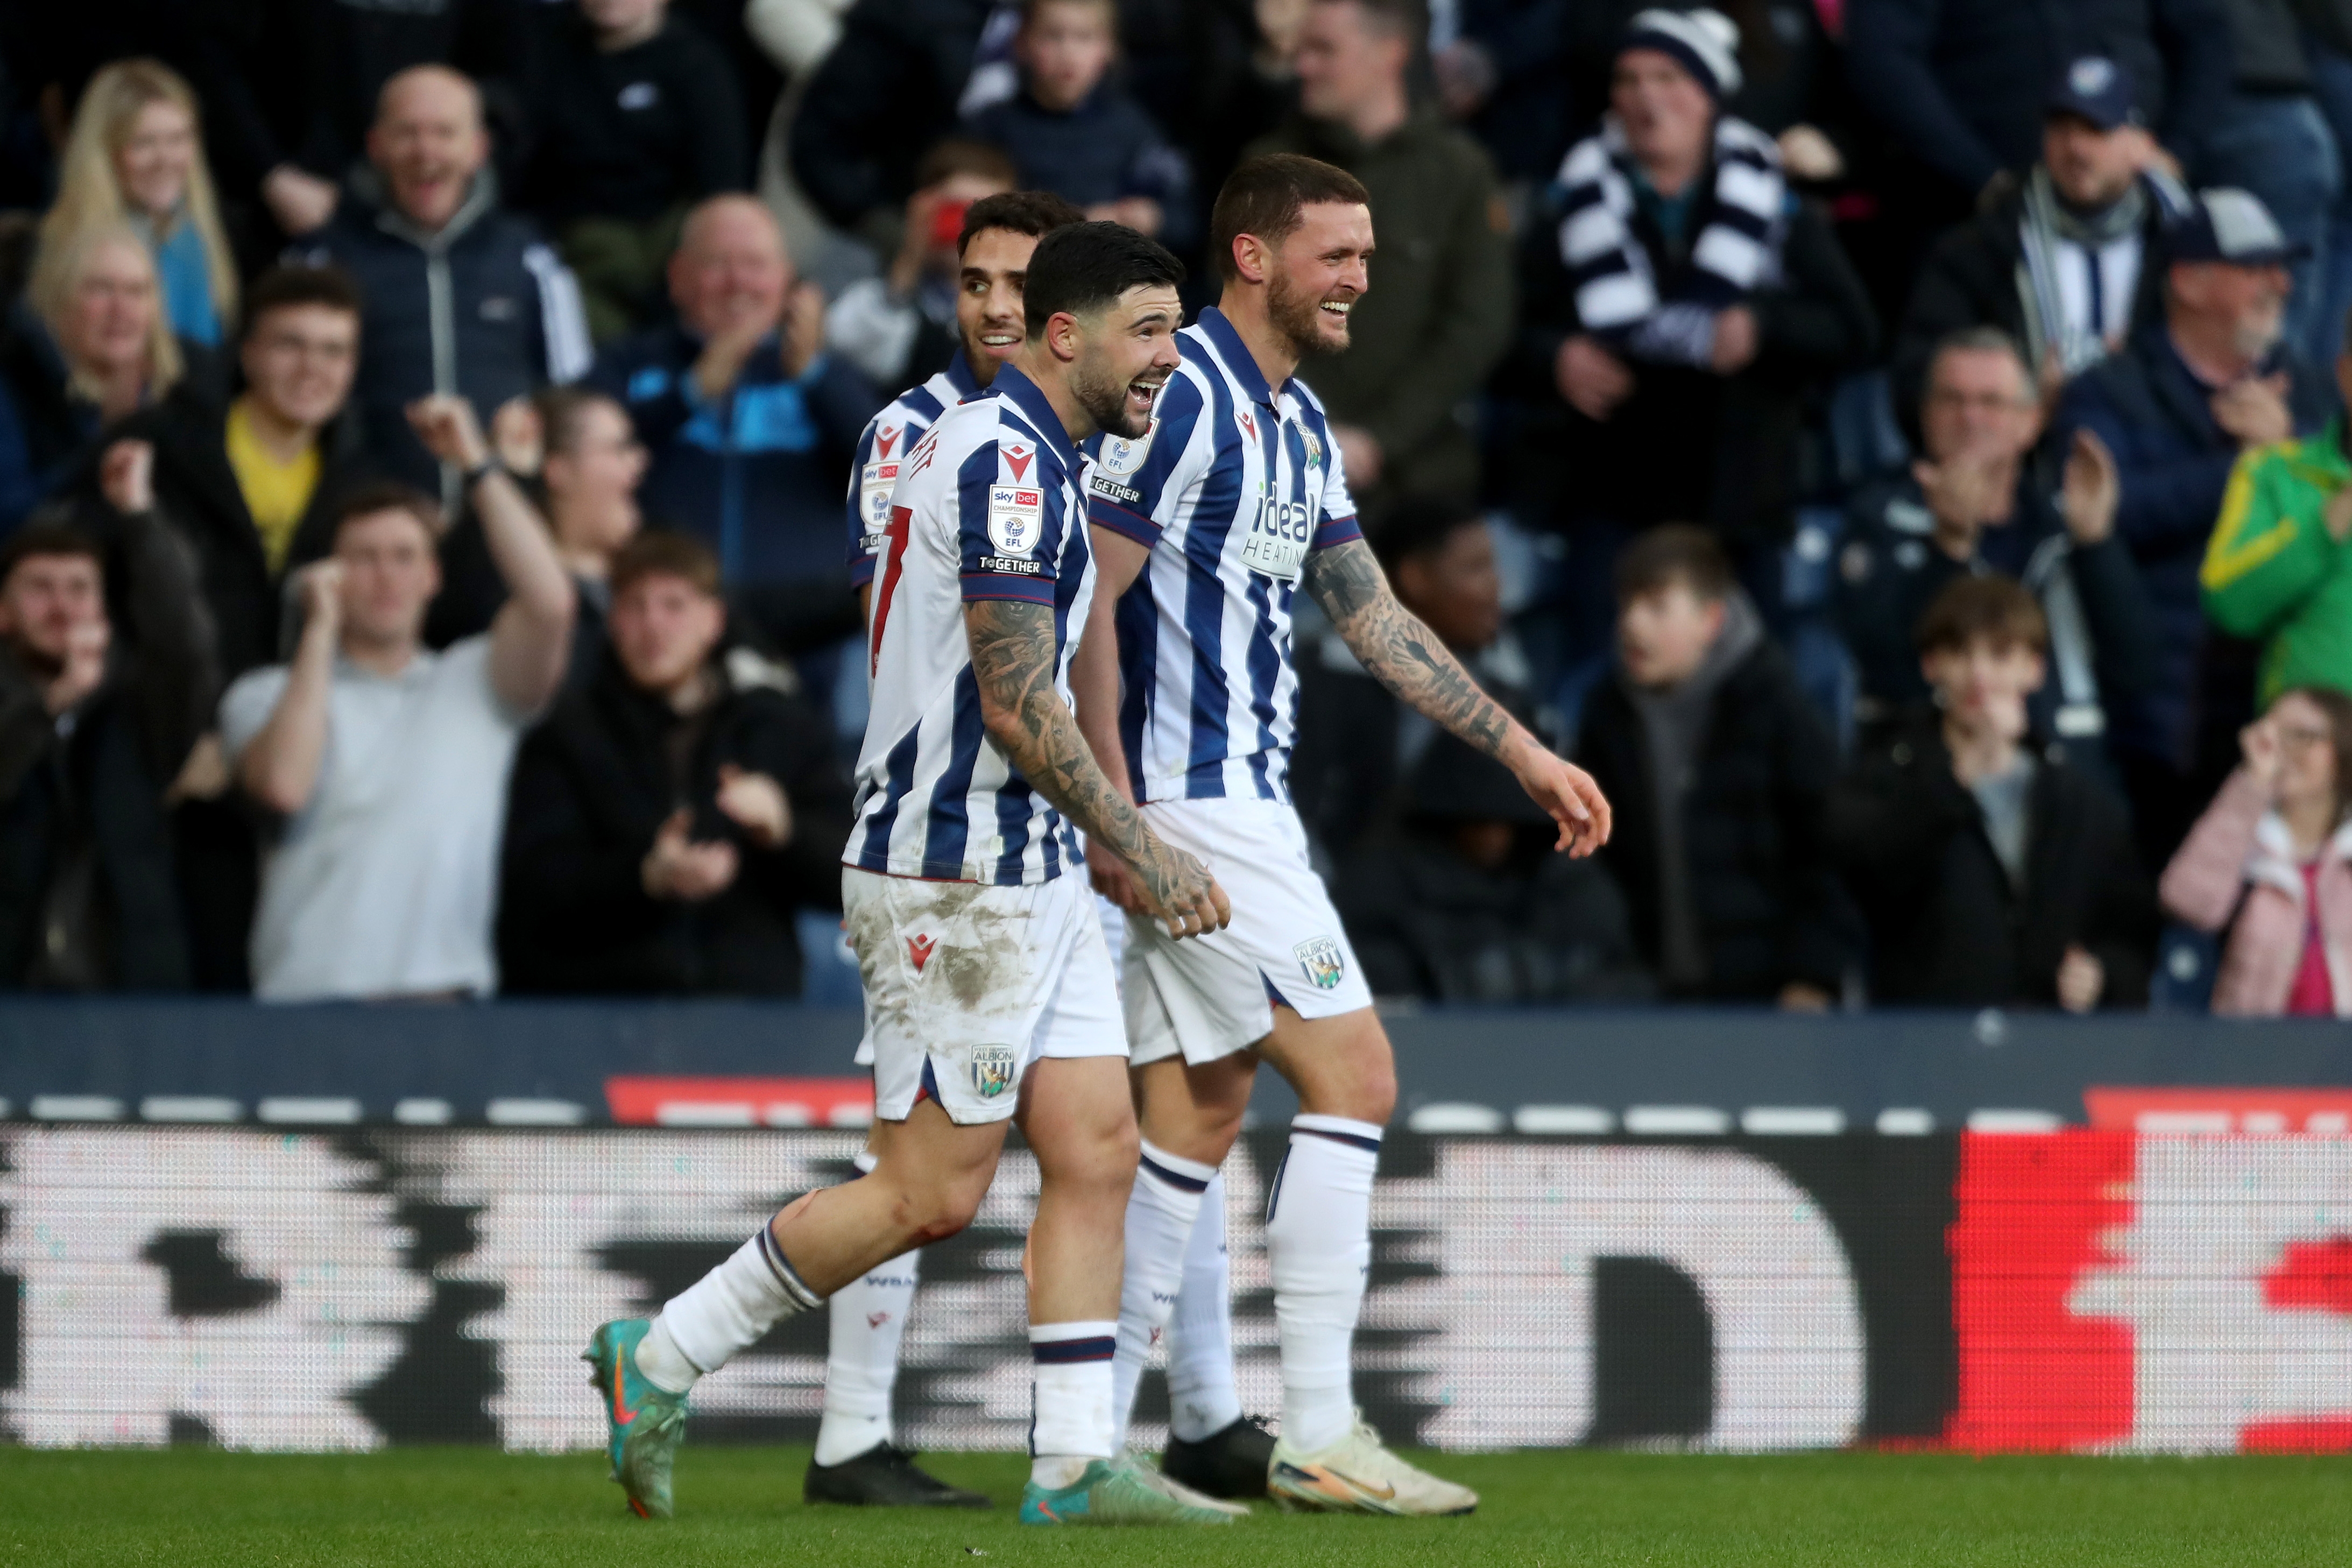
(1072, 131)
(1994, 874)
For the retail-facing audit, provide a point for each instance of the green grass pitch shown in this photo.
(420, 1508)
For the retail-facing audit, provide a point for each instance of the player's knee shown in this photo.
(934, 1210)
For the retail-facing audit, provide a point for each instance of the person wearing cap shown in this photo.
(2177, 405)
(2057, 260)
(1681, 303)
(1960, 87)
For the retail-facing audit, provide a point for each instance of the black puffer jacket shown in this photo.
(591, 787)
(1946, 927)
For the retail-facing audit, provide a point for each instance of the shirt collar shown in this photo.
(1242, 364)
(960, 376)
(1024, 393)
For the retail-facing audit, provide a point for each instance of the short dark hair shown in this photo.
(1029, 9)
(561, 410)
(1992, 609)
(1085, 267)
(1268, 196)
(1980, 339)
(283, 287)
(1671, 553)
(961, 155)
(376, 496)
(1408, 18)
(47, 539)
(1418, 526)
(657, 553)
(1033, 213)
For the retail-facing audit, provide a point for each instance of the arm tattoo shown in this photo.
(1401, 653)
(1013, 658)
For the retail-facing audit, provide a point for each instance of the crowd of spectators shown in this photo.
(1883, 440)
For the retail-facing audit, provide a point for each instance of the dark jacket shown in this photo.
(1947, 928)
(483, 308)
(1970, 279)
(1768, 907)
(89, 896)
(2157, 418)
(1439, 315)
(349, 51)
(1687, 446)
(758, 476)
(1105, 149)
(2102, 635)
(197, 493)
(878, 103)
(592, 786)
(631, 134)
(1961, 86)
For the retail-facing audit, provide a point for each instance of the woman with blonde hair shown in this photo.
(87, 345)
(136, 155)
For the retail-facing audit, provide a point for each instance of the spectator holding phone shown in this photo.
(900, 329)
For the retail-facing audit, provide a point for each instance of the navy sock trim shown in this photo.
(786, 1275)
(1353, 1140)
(1183, 1184)
(1061, 1353)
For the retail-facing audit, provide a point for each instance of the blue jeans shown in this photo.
(2282, 150)
(2331, 89)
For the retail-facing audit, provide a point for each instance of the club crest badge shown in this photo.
(1324, 962)
(1313, 445)
(992, 1069)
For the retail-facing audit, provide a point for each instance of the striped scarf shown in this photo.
(1618, 295)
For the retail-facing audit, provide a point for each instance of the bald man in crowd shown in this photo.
(752, 423)
(462, 298)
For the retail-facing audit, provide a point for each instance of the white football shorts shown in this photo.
(966, 984)
(1209, 996)
(1114, 929)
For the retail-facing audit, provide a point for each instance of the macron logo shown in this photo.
(919, 948)
(1017, 459)
(1249, 426)
(883, 439)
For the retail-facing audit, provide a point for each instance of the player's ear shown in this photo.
(1064, 336)
(1249, 257)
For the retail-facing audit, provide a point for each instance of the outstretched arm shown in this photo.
(1012, 658)
(1405, 655)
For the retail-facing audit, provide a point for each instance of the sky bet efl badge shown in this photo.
(992, 1069)
(1016, 515)
(1323, 962)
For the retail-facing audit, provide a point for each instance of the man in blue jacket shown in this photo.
(2185, 395)
(461, 296)
(751, 425)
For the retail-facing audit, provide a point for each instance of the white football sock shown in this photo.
(1161, 1214)
(1071, 1418)
(1319, 1240)
(861, 1369)
(725, 1312)
(1201, 1398)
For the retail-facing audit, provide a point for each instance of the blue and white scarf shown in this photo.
(1737, 252)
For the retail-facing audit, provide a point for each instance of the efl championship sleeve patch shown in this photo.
(1016, 518)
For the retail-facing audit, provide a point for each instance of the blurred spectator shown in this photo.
(1961, 86)
(589, 465)
(2067, 261)
(385, 765)
(2175, 408)
(667, 820)
(750, 422)
(636, 119)
(94, 727)
(254, 488)
(135, 157)
(1071, 131)
(1356, 743)
(886, 94)
(1469, 904)
(1717, 768)
(2270, 863)
(1438, 315)
(1682, 305)
(462, 297)
(2328, 49)
(1975, 504)
(998, 235)
(1993, 873)
(901, 326)
(88, 344)
(2271, 140)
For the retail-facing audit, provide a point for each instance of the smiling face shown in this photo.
(1322, 269)
(1979, 405)
(988, 299)
(298, 361)
(109, 315)
(158, 149)
(46, 599)
(591, 482)
(391, 572)
(730, 268)
(1064, 47)
(1123, 357)
(429, 143)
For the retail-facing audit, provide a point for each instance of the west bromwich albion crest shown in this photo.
(992, 1069)
(1322, 960)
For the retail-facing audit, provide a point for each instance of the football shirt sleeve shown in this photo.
(1007, 534)
(1337, 520)
(861, 558)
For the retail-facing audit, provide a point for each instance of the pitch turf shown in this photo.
(424, 1508)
